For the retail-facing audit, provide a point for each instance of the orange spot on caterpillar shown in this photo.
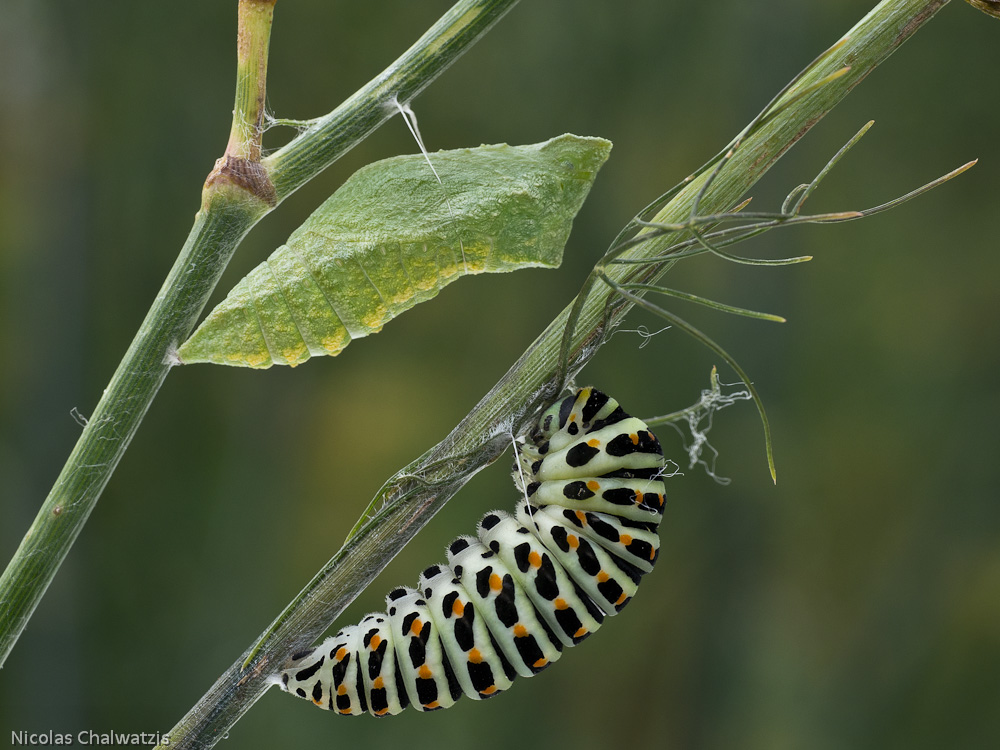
(474, 656)
(560, 603)
(581, 517)
(520, 631)
(572, 541)
(416, 627)
(580, 633)
(341, 654)
(381, 711)
(488, 691)
(495, 583)
(342, 690)
(318, 702)
(458, 609)
(638, 497)
(540, 663)
(593, 485)
(375, 642)
(602, 577)
(634, 438)
(594, 443)
(432, 704)
(625, 539)
(535, 559)
(378, 683)
(621, 600)
(425, 672)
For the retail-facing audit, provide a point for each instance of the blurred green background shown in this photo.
(854, 605)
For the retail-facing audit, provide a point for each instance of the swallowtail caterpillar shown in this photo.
(509, 601)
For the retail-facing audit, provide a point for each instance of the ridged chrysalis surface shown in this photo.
(393, 235)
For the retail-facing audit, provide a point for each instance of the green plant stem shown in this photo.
(218, 228)
(227, 213)
(238, 193)
(326, 138)
(410, 498)
(252, 40)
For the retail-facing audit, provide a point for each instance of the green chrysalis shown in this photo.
(392, 236)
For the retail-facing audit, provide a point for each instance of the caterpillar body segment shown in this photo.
(510, 600)
(477, 662)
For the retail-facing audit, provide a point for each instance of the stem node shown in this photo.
(244, 174)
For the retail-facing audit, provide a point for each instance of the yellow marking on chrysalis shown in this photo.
(416, 627)
(474, 656)
(378, 683)
(375, 642)
(540, 663)
(602, 576)
(335, 344)
(488, 691)
(572, 541)
(425, 672)
(293, 355)
(254, 360)
(625, 539)
(341, 654)
(534, 559)
(458, 609)
(560, 603)
(634, 438)
(342, 690)
(520, 631)
(593, 485)
(375, 319)
(495, 583)
(580, 633)
(594, 443)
